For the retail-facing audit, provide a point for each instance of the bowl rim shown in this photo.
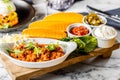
(93, 34)
(77, 25)
(102, 17)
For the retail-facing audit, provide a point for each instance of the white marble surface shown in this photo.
(92, 69)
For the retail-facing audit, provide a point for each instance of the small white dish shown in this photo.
(67, 47)
(77, 25)
(101, 17)
(105, 36)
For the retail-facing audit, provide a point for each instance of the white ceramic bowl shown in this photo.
(101, 17)
(77, 25)
(108, 40)
(67, 47)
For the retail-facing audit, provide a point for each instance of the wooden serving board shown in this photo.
(21, 73)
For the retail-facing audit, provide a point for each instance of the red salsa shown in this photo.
(80, 31)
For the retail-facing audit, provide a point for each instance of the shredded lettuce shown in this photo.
(31, 45)
(18, 52)
(37, 50)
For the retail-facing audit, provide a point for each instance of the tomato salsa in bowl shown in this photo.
(78, 30)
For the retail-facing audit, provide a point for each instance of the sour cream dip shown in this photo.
(105, 32)
(105, 36)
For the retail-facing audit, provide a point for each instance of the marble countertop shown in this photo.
(92, 69)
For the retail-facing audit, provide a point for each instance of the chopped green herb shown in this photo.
(66, 39)
(9, 7)
(51, 47)
(9, 50)
(14, 51)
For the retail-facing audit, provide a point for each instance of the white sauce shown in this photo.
(105, 32)
(6, 8)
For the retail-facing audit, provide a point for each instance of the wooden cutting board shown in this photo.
(21, 73)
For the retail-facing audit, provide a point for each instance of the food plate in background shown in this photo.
(25, 13)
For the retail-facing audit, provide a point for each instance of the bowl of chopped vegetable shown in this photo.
(94, 20)
(37, 52)
(78, 30)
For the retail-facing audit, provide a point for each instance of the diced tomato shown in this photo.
(80, 31)
(74, 30)
(81, 27)
(86, 31)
